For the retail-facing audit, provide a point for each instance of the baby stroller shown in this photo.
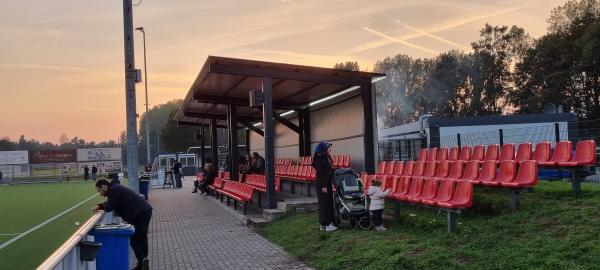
(349, 200)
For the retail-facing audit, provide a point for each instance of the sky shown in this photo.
(62, 65)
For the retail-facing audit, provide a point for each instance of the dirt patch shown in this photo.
(417, 252)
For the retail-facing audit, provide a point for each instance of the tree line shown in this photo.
(506, 72)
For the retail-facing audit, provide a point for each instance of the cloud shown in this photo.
(88, 109)
(44, 67)
(399, 41)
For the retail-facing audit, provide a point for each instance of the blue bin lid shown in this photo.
(112, 229)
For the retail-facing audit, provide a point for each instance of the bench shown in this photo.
(259, 183)
(299, 173)
(236, 191)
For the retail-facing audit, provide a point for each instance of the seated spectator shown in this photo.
(257, 165)
(209, 178)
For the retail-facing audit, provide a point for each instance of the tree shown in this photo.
(352, 66)
(175, 138)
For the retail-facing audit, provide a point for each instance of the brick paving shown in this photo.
(189, 232)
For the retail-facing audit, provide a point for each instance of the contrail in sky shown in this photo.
(432, 36)
(292, 2)
(399, 41)
(34, 66)
(441, 27)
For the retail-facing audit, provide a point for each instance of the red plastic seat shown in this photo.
(401, 188)
(585, 154)
(465, 153)
(462, 197)
(523, 152)
(432, 156)
(456, 170)
(443, 193)
(429, 169)
(442, 154)
(408, 168)
(423, 154)
(506, 173)
(416, 187)
(389, 168)
(442, 169)
(488, 172)
(388, 183)
(380, 167)
(428, 193)
(526, 177)
(471, 171)
(346, 163)
(478, 152)
(398, 167)
(419, 168)
(454, 153)
(492, 152)
(562, 153)
(542, 152)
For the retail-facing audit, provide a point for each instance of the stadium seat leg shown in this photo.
(259, 200)
(234, 205)
(221, 198)
(516, 200)
(245, 208)
(530, 190)
(397, 212)
(292, 187)
(308, 189)
(228, 202)
(451, 218)
(575, 182)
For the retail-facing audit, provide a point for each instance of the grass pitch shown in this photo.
(25, 206)
(553, 229)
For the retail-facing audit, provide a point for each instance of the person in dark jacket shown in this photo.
(257, 165)
(209, 178)
(94, 172)
(322, 164)
(177, 173)
(132, 208)
(86, 172)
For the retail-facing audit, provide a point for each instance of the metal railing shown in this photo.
(67, 256)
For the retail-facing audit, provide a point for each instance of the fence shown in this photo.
(54, 172)
(67, 256)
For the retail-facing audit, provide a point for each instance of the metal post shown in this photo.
(451, 219)
(214, 144)
(304, 136)
(269, 142)
(233, 142)
(556, 132)
(515, 199)
(458, 140)
(396, 212)
(369, 128)
(202, 155)
(501, 136)
(130, 75)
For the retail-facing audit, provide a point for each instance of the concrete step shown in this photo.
(257, 222)
(273, 214)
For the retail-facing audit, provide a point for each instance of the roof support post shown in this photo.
(213, 144)
(267, 84)
(233, 141)
(369, 128)
(202, 155)
(287, 123)
(304, 135)
(252, 128)
(247, 149)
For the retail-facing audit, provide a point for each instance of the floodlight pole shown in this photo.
(141, 29)
(130, 76)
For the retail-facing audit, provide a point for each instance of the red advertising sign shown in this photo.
(52, 156)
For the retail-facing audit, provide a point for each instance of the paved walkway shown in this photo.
(188, 231)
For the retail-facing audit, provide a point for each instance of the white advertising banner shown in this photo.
(98, 154)
(14, 157)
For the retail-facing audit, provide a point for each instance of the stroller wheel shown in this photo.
(365, 223)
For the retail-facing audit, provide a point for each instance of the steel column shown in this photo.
(130, 75)
(233, 142)
(304, 135)
(202, 155)
(267, 84)
(369, 128)
(213, 144)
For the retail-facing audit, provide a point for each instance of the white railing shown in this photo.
(66, 257)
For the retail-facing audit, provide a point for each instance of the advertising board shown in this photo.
(52, 156)
(13, 157)
(98, 154)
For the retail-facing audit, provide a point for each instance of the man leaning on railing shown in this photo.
(132, 208)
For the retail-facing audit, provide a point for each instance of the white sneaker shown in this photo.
(330, 228)
(380, 228)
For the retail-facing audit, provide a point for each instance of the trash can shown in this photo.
(144, 188)
(114, 253)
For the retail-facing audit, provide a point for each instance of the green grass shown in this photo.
(553, 229)
(24, 206)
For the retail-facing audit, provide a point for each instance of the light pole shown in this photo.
(146, 91)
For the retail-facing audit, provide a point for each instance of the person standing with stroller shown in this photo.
(322, 164)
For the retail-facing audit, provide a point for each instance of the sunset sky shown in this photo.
(61, 61)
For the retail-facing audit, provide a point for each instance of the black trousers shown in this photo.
(139, 239)
(325, 206)
(377, 217)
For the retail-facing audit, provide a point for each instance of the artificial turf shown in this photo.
(25, 206)
(553, 229)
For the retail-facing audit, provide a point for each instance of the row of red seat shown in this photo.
(297, 172)
(473, 171)
(585, 154)
(284, 161)
(237, 191)
(259, 183)
(338, 161)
